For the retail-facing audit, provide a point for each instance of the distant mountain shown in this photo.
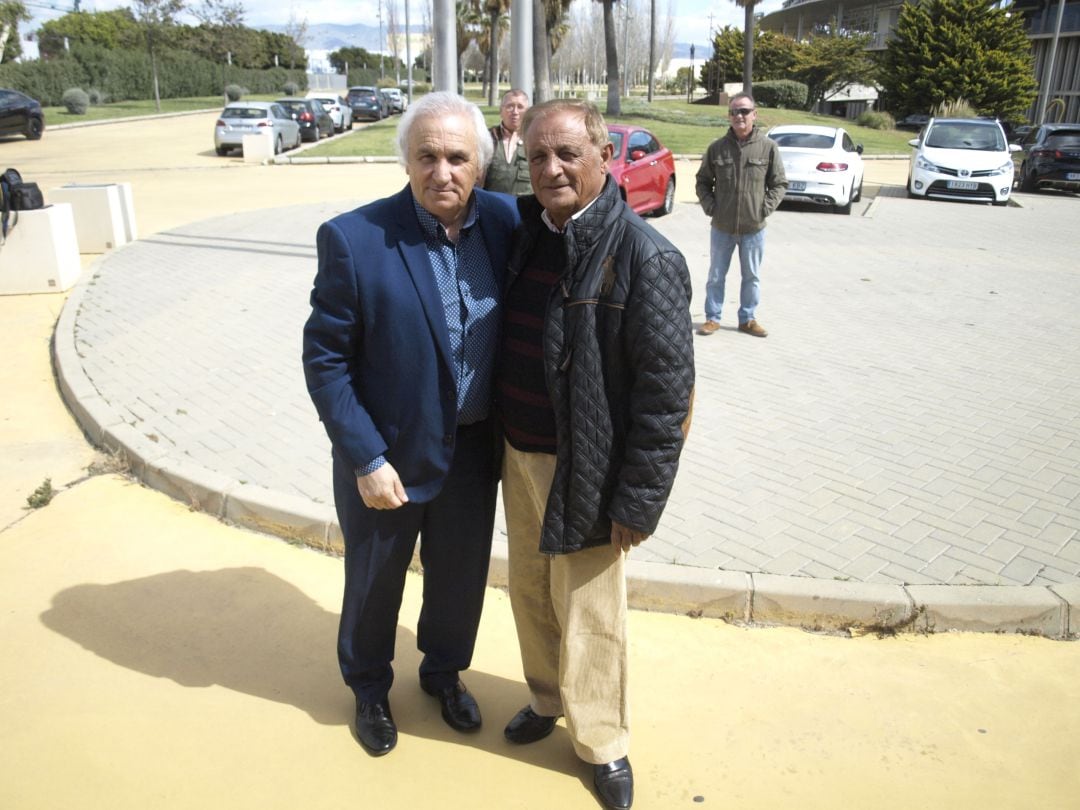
(331, 36)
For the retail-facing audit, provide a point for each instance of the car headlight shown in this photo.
(925, 165)
(1004, 168)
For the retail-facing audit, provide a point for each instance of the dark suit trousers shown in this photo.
(455, 531)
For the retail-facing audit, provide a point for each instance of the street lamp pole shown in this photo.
(690, 81)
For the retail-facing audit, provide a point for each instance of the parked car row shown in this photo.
(289, 120)
(376, 103)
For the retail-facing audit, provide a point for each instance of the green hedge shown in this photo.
(789, 95)
(122, 75)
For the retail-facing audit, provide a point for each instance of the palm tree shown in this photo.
(613, 105)
(748, 45)
(496, 24)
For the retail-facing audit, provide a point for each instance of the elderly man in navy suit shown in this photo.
(398, 358)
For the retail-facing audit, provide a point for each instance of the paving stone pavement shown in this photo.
(913, 417)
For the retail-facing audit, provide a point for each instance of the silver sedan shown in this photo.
(240, 118)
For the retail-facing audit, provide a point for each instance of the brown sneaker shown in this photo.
(709, 327)
(753, 328)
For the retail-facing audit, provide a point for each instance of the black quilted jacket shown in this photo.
(619, 363)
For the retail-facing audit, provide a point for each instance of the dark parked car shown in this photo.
(368, 104)
(1050, 158)
(20, 115)
(315, 122)
(913, 122)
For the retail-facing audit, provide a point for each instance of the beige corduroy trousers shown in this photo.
(570, 612)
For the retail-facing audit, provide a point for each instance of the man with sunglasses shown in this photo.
(741, 181)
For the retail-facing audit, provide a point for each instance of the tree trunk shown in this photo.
(493, 59)
(613, 105)
(541, 54)
(748, 50)
(5, 32)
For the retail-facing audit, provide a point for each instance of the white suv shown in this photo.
(338, 108)
(962, 159)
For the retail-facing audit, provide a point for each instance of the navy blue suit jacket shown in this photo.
(376, 347)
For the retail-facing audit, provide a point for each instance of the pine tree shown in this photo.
(968, 49)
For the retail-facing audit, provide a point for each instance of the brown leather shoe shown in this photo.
(709, 327)
(753, 328)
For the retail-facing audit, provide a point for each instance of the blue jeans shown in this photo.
(751, 250)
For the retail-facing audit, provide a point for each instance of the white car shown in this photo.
(962, 159)
(338, 108)
(823, 165)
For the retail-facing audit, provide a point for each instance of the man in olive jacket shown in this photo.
(595, 381)
(741, 181)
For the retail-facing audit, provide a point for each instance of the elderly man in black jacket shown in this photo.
(595, 386)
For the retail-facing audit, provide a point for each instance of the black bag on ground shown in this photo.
(17, 196)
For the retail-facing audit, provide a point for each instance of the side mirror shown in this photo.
(913, 142)
(637, 154)
(1015, 147)
(858, 148)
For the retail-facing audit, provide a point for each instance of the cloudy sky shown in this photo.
(692, 21)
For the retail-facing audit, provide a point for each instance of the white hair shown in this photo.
(440, 105)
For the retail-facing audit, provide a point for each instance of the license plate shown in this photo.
(962, 185)
(1072, 176)
(796, 185)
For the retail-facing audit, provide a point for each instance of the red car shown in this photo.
(644, 170)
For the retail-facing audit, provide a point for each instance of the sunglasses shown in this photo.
(741, 111)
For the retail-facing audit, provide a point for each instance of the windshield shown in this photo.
(979, 137)
(616, 138)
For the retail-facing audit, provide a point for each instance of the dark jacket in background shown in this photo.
(740, 184)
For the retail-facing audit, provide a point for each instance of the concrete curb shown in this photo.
(756, 599)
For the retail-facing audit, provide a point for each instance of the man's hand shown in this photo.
(382, 489)
(624, 538)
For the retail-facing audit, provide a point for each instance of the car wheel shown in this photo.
(858, 192)
(1027, 181)
(911, 194)
(34, 128)
(279, 145)
(221, 150)
(669, 199)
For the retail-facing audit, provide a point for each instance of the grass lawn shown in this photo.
(686, 129)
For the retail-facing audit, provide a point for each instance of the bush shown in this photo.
(125, 74)
(956, 108)
(234, 92)
(782, 93)
(76, 100)
(96, 96)
(876, 120)
(291, 88)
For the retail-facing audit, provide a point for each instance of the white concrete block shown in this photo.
(99, 214)
(41, 253)
(258, 148)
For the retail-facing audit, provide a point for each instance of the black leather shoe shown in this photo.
(615, 784)
(459, 708)
(375, 727)
(528, 727)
